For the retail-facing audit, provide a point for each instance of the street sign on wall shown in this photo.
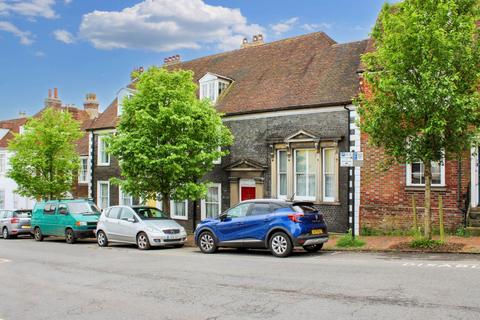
(351, 159)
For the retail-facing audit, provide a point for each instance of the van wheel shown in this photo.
(280, 245)
(37, 234)
(102, 239)
(69, 236)
(142, 241)
(313, 247)
(5, 234)
(207, 242)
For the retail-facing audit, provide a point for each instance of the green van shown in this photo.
(72, 219)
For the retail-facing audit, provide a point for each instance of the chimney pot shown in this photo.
(255, 38)
(55, 93)
(49, 93)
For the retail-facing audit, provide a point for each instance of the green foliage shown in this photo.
(347, 241)
(462, 232)
(422, 101)
(167, 139)
(45, 160)
(425, 243)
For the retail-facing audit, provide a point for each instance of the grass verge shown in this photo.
(348, 242)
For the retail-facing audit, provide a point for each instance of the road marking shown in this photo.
(442, 265)
(4, 261)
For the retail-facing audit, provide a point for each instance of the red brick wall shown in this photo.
(386, 201)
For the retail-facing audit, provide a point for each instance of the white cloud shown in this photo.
(29, 8)
(165, 25)
(317, 26)
(39, 54)
(64, 36)
(24, 36)
(68, 1)
(284, 26)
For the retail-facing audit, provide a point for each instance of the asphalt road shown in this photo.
(53, 280)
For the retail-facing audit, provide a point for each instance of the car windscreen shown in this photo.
(150, 213)
(82, 208)
(22, 214)
(301, 208)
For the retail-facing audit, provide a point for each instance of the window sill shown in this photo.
(422, 188)
(103, 164)
(331, 203)
(83, 182)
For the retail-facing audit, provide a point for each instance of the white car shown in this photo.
(140, 225)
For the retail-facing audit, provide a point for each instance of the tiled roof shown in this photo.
(13, 126)
(309, 70)
(304, 71)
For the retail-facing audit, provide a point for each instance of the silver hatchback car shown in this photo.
(140, 225)
(15, 222)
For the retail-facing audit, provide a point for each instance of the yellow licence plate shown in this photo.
(26, 227)
(317, 231)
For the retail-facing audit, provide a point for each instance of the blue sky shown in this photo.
(83, 46)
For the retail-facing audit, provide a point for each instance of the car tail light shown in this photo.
(14, 220)
(295, 217)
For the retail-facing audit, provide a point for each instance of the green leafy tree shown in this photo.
(421, 101)
(44, 161)
(167, 139)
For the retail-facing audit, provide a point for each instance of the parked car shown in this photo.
(141, 225)
(72, 219)
(273, 224)
(15, 222)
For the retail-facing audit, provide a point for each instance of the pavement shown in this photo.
(54, 280)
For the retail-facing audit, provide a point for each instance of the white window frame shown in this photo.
(219, 160)
(310, 198)
(3, 163)
(99, 202)
(101, 150)
(281, 196)
(173, 213)
(121, 95)
(409, 176)
(324, 197)
(204, 201)
(80, 174)
(121, 197)
(209, 85)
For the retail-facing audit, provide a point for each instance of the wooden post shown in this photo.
(440, 218)
(414, 209)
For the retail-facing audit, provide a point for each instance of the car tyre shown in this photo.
(207, 242)
(313, 247)
(5, 233)
(37, 234)
(280, 245)
(70, 236)
(142, 241)
(102, 240)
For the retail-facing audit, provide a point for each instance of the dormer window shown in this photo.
(121, 95)
(212, 86)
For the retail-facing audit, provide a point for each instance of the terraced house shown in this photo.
(289, 106)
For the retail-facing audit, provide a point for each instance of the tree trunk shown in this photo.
(166, 203)
(428, 196)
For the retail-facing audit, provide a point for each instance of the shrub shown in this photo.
(347, 241)
(425, 243)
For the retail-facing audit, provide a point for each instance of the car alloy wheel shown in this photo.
(5, 233)
(280, 245)
(38, 234)
(69, 236)
(207, 243)
(142, 241)
(102, 239)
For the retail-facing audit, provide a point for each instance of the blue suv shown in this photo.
(273, 224)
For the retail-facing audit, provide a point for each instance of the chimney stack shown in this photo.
(22, 114)
(90, 105)
(256, 41)
(136, 70)
(54, 101)
(171, 60)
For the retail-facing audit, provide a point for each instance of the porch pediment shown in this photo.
(301, 136)
(245, 165)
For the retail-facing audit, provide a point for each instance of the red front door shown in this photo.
(247, 193)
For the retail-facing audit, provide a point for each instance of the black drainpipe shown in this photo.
(92, 166)
(464, 210)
